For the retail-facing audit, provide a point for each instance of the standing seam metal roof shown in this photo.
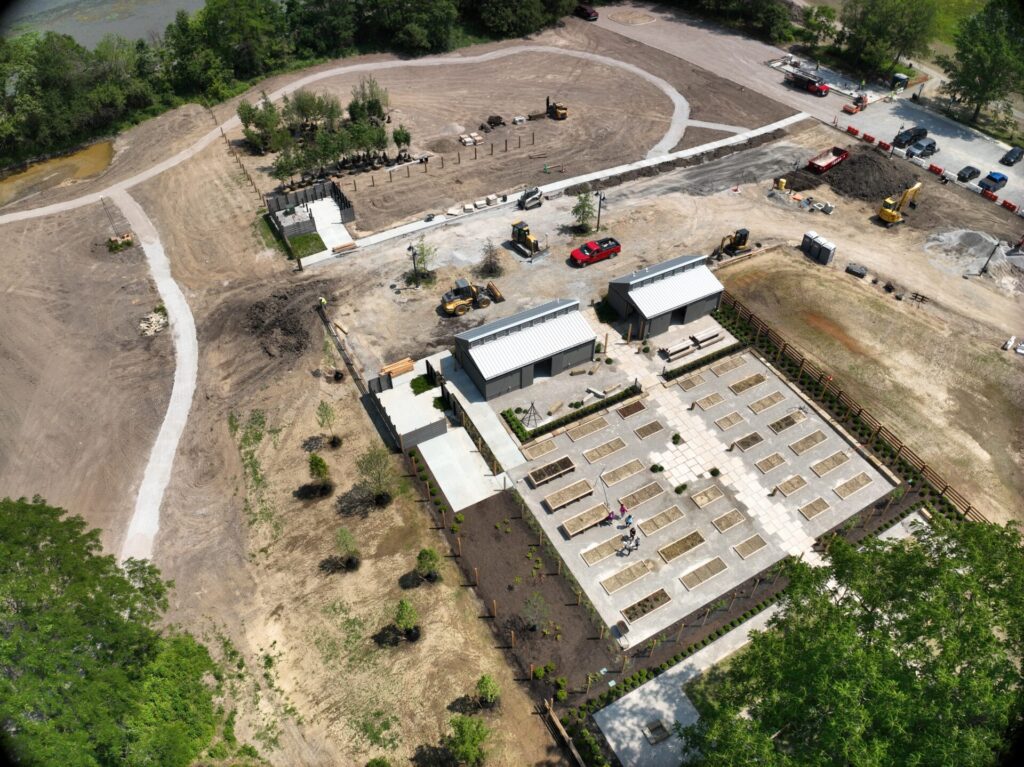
(664, 269)
(526, 346)
(543, 313)
(657, 298)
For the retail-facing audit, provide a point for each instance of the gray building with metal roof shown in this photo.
(510, 354)
(674, 292)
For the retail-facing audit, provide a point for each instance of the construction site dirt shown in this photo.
(84, 392)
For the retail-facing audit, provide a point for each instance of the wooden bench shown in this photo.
(569, 494)
(551, 471)
(585, 520)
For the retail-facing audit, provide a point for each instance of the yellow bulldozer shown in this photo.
(733, 245)
(526, 243)
(464, 296)
(556, 109)
(891, 212)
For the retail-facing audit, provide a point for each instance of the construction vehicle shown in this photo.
(556, 110)
(495, 120)
(526, 243)
(830, 158)
(892, 209)
(733, 244)
(807, 81)
(465, 296)
(531, 198)
(860, 103)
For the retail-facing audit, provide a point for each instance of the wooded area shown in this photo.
(87, 678)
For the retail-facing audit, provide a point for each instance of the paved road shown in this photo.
(743, 61)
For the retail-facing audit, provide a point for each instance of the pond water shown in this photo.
(89, 20)
(85, 163)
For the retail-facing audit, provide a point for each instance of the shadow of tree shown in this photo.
(411, 580)
(313, 491)
(432, 756)
(465, 704)
(389, 636)
(356, 502)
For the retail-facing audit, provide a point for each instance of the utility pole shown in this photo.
(415, 272)
(984, 269)
(600, 202)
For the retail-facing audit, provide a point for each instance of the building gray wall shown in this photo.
(523, 377)
(618, 299)
(661, 324)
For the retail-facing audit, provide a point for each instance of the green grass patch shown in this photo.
(439, 404)
(378, 727)
(951, 13)
(421, 384)
(267, 234)
(306, 244)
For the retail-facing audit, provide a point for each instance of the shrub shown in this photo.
(539, 672)
(676, 439)
(379, 761)
(487, 690)
(714, 472)
(680, 489)
(406, 618)
(460, 517)
(466, 743)
(427, 563)
(609, 361)
(561, 694)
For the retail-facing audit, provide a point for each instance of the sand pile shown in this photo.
(964, 251)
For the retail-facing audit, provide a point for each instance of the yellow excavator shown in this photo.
(733, 245)
(891, 212)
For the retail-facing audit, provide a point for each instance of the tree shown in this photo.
(583, 211)
(487, 690)
(246, 34)
(512, 18)
(321, 27)
(377, 473)
(87, 677)
(406, 618)
(819, 24)
(325, 416)
(318, 470)
(896, 653)
(401, 137)
(379, 761)
(428, 562)
(989, 61)
(877, 33)
(345, 543)
(490, 266)
(424, 256)
(466, 741)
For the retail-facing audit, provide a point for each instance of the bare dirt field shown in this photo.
(75, 366)
(614, 117)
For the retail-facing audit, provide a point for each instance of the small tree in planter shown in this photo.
(407, 620)
(535, 610)
(487, 691)
(325, 416)
(428, 563)
(347, 548)
(377, 474)
(319, 473)
(466, 743)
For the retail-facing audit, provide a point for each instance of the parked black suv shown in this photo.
(1013, 157)
(909, 136)
(586, 13)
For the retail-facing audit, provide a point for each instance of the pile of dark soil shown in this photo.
(868, 175)
(871, 175)
(283, 322)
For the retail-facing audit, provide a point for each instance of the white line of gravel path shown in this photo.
(145, 521)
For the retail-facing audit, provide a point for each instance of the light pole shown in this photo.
(600, 202)
(415, 270)
(892, 147)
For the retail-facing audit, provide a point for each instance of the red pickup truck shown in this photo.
(593, 252)
(806, 81)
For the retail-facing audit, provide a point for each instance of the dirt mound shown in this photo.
(867, 174)
(283, 321)
(871, 176)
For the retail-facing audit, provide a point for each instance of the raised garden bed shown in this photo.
(646, 493)
(586, 429)
(603, 550)
(725, 366)
(551, 471)
(661, 520)
(766, 402)
(691, 382)
(787, 421)
(790, 485)
(646, 606)
(631, 409)
(585, 520)
(567, 495)
(627, 575)
(750, 440)
(804, 444)
(814, 508)
(704, 573)
(707, 496)
(533, 452)
(748, 383)
(749, 547)
(727, 521)
(769, 462)
(851, 486)
(604, 450)
(622, 473)
(648, 429)
(726, 422)
(708, 402)
(833, 462)
(681, 546)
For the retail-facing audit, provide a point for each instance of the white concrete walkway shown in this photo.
(327, 217)
(145, 521)
(460, 470)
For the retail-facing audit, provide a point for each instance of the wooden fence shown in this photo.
(819, 383)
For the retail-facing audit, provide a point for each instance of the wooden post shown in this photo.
(476, 576)
(474, 152)
(601, 632)
(781, 350)
(540, 538)
(372, 181)
(800, 372)
(578, 598)
(354, 187)
(494, 608)
(492, 149)
(442, 162)
(458, 157)
(513, 633)
(506, 145)
(679, 636)
(458, 545)
(533, 138)
(531, 671)
(625, 661)
(443, 523)
(408, 171)
(629, 334)
(390, 176)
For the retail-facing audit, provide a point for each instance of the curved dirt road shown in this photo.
(145, 521)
